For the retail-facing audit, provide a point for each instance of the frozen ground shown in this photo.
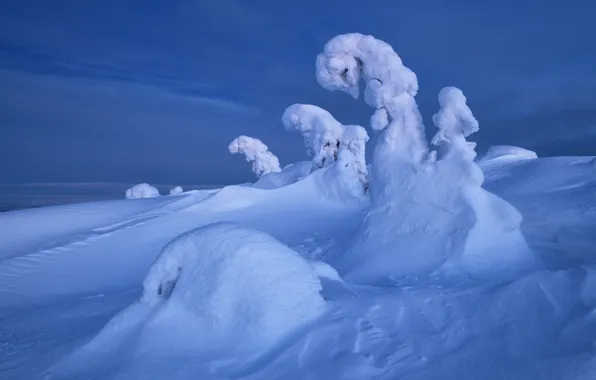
(73, 304)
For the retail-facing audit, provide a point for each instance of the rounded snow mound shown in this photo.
(289, 175)
(231, 289)
(509, 152)
(141, 190)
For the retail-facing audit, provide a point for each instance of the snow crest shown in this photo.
(290, 174)
(508, 152)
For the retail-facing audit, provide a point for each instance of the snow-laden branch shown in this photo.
(390, 88)
(255, 151)
(324, 136)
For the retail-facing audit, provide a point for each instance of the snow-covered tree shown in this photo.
(324, 136)
(176, 190)
(141, 190)
(390, 88)
(255, 151)
(455, 122)
(428, 209)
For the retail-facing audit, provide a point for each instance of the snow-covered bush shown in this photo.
(428, 209)
(141, 190)
(232, 290)
(176, 190)
(455, 122)
(324, 136)
(255, 151)
(508, 152)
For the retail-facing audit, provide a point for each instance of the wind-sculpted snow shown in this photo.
(290, 174)
(224, 293)
(142, 190)
(538, 326)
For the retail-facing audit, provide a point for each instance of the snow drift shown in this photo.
(242, 289)
(508, 152)
(222, 292)
(290, 174)
(142, 190)
(428, 209)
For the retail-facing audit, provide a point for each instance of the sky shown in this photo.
(154, 90)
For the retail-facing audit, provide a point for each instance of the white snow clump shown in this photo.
(233, 290)
(428, 209)
(141, 190)
(255, 151)
(324, 136)
(176, 190)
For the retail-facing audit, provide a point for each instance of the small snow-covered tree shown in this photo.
(176, 190)
(255, 151)
(455, 122)
(141, 190)
(324, 136)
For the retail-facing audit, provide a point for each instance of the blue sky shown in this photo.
(154, 90)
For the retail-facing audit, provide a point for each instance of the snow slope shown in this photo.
(71, 289)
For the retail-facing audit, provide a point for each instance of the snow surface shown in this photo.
(62, 300)
(141, 190)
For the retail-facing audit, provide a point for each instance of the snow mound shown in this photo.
(142, 190)
(508, 152)
(176, 190)
(240, 289)
(255, 151)
(290, 174)
(341, 181)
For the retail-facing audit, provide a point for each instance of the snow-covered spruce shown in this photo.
(176, 190)
(428, 209)
(324, 136)
(255, 151)
(141, 190)
(232, 290)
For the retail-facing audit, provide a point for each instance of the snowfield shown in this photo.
(72, 299)
(427, 263)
